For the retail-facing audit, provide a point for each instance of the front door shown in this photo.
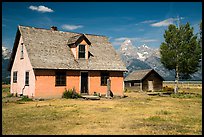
(150, 85)
(84, 82)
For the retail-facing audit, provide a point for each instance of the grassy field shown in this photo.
(136, 114)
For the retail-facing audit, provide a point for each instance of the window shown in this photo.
(15, 77)
(81, 51)
(104, 77)
(21, 50)
(27, 78)
(60, 79)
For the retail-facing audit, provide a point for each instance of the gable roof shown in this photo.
(140, 74)
(48, 49)
(77, 39)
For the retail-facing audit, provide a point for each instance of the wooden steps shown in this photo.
(91, 97)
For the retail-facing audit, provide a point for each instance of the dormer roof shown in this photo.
(77, 39)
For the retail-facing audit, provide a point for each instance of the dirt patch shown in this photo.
(10, 99)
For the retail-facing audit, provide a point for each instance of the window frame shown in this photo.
(104, 77)
(15, 76)
(82, 52)
(27, 77)
(60, 79)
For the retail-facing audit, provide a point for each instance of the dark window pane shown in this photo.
(21, 50)
(81, 55)
(81, 51)
(60, 79)
(27, 79)
(15, 77)
(104, 77)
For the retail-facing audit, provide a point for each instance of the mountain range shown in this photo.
(135, 58)
(144, 57)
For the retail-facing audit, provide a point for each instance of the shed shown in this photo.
(144, 80)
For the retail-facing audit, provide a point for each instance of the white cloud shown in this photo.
(148, 21)
(71, 27)
(148, 40)
(130, 38)
(116, 43)
(41, 8)
(166, 22)
(121, 39)
(135, 39)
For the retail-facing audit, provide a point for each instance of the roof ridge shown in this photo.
(78, 33)
(142, 70)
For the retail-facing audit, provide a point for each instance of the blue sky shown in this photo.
(142, 22)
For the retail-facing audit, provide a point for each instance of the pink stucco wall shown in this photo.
(45, 83)
(21, 66)
(117, 86)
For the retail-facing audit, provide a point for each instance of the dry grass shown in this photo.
(137, 114)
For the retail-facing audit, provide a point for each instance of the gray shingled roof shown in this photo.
(137, 75)
(73, 39)
(48, 49)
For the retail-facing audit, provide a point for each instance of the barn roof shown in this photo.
(140, 74)
(48, 49)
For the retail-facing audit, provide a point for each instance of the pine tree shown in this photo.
(200, 40)
(180, 51)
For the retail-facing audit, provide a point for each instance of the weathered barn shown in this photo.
(45, 62)
(144, 80)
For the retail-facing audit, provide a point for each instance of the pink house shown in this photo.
(45, 62)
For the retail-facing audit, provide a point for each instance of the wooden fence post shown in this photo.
(108, 88)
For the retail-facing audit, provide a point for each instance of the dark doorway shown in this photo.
(84, 82)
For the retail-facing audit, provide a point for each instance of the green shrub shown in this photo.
(70, 93)
(9, 95)
(25, 98)
(95, 94)
(5, 89)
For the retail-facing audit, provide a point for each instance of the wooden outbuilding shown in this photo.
(144, 80)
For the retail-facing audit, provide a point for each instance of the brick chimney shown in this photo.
(54, 28)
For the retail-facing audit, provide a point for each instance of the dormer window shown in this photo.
(82, 51)
(79, 45)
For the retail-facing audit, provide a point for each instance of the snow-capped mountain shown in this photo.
(128, 49)
(144, 57)
(141, 52)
